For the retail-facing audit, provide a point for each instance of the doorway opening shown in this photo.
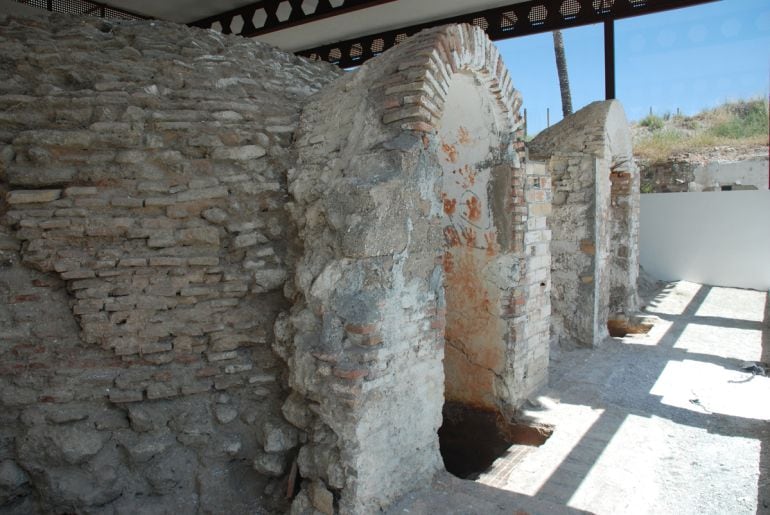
(471, 439)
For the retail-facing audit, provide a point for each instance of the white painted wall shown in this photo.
(716, 238)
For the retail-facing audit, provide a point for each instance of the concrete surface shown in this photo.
(449, 495)
(660, 423)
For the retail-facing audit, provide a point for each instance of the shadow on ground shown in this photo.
(691, 375)
(668, 422)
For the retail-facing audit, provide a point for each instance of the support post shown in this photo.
(609, 59)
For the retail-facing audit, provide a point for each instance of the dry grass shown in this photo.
(741, 124)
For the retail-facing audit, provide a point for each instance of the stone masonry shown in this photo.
(144, 248)
(422, 230)
(595, 221)
(249, 266)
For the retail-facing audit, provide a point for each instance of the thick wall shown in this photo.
(376, 287)
(144, 245)
(717, 238)
(245, 266)
(595, 221)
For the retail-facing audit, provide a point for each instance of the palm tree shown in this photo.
(561, 69)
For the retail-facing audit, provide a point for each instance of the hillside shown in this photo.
(733, 128)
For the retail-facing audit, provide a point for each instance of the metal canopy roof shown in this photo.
(348, 32)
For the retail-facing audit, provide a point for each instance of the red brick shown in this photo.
(350, 374)
(361, 328)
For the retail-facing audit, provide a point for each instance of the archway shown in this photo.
(382, 158)
(475, 233)
(595, 221)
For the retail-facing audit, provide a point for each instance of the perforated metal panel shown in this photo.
(569, 8)
(83, 8)
(537, 15)
(508, 20)
(513, 20)
(482, 22)
(278, 14)
(378, 45)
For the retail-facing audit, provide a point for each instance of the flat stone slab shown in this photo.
(32, 196)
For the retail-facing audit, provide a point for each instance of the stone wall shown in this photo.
(595, 221)
(144, 246)
(249, 266)
(720, 168)
(410, 220)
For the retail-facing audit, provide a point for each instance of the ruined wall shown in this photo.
(143, 249)
(667, 177)
(720, 167)
(374, 194)
(595, 221)
(203, 232)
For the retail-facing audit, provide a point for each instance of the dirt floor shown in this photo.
(668, 422)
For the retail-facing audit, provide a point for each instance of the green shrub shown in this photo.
(652, 122)
(744, 120)
(737, 124)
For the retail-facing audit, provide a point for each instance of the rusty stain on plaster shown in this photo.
(491, 243)
(473, 213)
(450, 204)
(474, 335)
(463, 137)
(450, 151)
(448, 262)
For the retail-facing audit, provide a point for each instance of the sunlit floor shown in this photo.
(666, 422)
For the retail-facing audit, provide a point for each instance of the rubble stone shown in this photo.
(595, 221)
(121, 159)
(252, 264)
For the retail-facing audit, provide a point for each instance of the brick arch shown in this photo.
(421, 72)
(365, 338)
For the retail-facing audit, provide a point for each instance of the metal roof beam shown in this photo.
(505, 22)
(270, 15)
(84, 7)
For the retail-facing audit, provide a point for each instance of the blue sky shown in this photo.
(690, 59)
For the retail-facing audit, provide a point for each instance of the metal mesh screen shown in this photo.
(538, 14)
(508, 20)
(82, 8)
(569, 8)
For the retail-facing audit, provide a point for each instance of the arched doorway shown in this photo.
(595, 221)
(390, 275)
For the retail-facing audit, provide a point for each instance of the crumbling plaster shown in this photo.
(266, 275)
(372, 198)
(144, 248)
